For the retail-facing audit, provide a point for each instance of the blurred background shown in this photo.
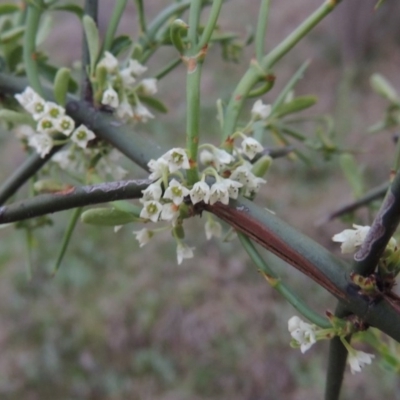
(119, 322)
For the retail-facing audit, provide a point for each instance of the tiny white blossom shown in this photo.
(200, 192)
(351, 238)
(27, 97)
(152, 192)
(169, 212)
(242, 174)
(24, 131)
(53, 110)
(233, 187)
(206, 157)
(124, 110)
(110, 98)
(212, 228)
(176, 192)
(141, 113)
(357, 360)
(219, 192)
(65, 125)
(148, 86)
(42, 143)
(136, 68)
(183, 251)
(157, 168)
(251, 147)
(143, 236)
(151, 210)
(109, 62)
(260, 110)
(37, 108)
(46, 125)
(216, 158)
(63, 159)
(176, 159)
(223, 156)
(254, 185)
(302, 332)
(82, 135)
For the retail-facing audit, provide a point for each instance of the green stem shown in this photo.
(262, 29)
(73, 198)
(90, 9)
(253, 74)
(141, 17)
(34, 13)
(168, 68)
(194, 18)
(119, 8)
(284, 290)
(193, 120)
(67, 237)
(212, 21)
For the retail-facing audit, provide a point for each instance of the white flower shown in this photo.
(151, 210)
(351, 238)
(143, 236)
(141, 113)
(219, 192)
(169, 212)
(24, 131)
(206, 157)
(216, 157)
(233, 187)
(136, 68)
(42, 143)
(223, 156)
(133, 70)
(124, 110)
(65, 125)
(148, 86)
(200, 192)
(254, 185)
(157, 168)
(152, 192)
(37, 108)
(260, 110)
(357, 360)
(176, 192)
(176, 159)
(183, 251)
(46, 125)
(53, 110)
(302, 332)
(242, 174)
(110, 98)
(82, 135)
(109, 62)
(63, 159)
(251, 147)
(27, 97)
(213, 228)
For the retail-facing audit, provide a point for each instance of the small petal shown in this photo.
(200, 192)
(152, 192)
(351, 238)
(46, 125)
(176, 192)
(143, 236)
(42, 143)
(169, 212)
(82, 135)
(65, 125)
(357, 360)
(53, 110)
(183, 251)
(141, 113)
(157, 168)
(136, 68)
(109, 62)
(251, 147)
(124, 110)
(110, 98)
(219, 192)
(260, 110)
(151, 210)
(233, 187)
(148, 87)
(176, 159)
(27, 97)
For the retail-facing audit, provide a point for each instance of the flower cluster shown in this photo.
(50, 119)
(121, 90)
(304, 335)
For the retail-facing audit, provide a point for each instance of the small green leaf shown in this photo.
(120, 44)
(12, 34)
(72, 8)
(92, 39)
(383, 87)
(61, 83)
(154, 103)
(49, 72)
(16, 117)
(107, 217)
(352, 173)
(45, 26)
(296, 105)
